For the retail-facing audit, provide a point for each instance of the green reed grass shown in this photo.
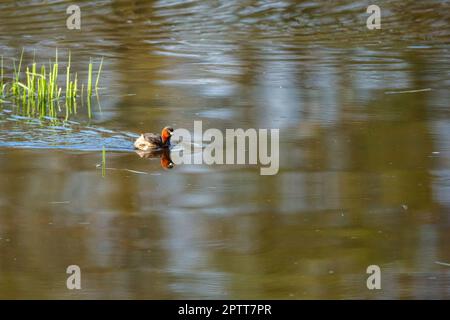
(98, 74)
(15, 86)
(90, 79)
(36, 91)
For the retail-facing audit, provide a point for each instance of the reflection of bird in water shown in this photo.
(164, 154)
(151, 141)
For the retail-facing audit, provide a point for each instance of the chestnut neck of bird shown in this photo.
(165, 136)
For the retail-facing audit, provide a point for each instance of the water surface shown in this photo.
(364, 174)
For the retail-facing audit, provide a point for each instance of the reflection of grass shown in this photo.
(36, 91)
(103, 162)
(2, 85)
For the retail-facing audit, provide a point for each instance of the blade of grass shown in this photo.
(89, 107)
(68, 78)
(98, 73)
(89, 88)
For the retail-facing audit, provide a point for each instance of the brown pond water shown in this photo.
(364, 175)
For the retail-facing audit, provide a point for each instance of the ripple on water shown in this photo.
(23, 132)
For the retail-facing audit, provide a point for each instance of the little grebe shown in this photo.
(151, 141)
